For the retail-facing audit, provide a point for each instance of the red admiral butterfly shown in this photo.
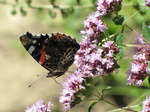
(55, 52)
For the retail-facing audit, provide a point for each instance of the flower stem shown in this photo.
(137, 34)
(123, 108)
(45, 6)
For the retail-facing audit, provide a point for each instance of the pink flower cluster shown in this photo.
(147, 3)
(94, 27)
(95, 62)
(107, 6)
(146, 105)
(91, 61)
(40, 106)
(139, 67)
(70, 86)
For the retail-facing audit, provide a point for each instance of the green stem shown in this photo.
(123, 108)
(45, 6)
(135, 45)
(137, 34)
(95, 95)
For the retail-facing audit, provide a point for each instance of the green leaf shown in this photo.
(78, 2)
(92, 105)
(136, 5)
(119, 19)
(87, 90)
(13, 11)
(52, 1)
(89, 80)
(28, 2)
(107, 88)
(52, 14)
(146, 32)
(148, 64)
(23, 12)
(117, 8)
(70, 10)
(93, 1)
(120, 54)
(64, 13)
(120, 38)
(76, 101)
(117, 66)
(143, 12)
(149, 80)
(16, 1)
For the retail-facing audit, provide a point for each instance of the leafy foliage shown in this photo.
(146, 32)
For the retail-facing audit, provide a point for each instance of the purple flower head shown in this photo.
(146, 105)
(94, 27)
(147, 3)
(71, 86)
(40, 106)
(139, 67)
(107, 6)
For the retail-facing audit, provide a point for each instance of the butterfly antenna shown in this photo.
(40, 74)
(36, 80)
(56, 80)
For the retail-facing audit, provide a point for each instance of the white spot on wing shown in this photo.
(40, 63)
(44, 34)
(31, 49)
(50, 35)
(38, 35)
(34, 41)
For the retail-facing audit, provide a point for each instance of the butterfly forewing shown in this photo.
(55, 52)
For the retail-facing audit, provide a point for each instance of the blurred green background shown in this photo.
(18, 69)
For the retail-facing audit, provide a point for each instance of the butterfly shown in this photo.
(55, 52)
